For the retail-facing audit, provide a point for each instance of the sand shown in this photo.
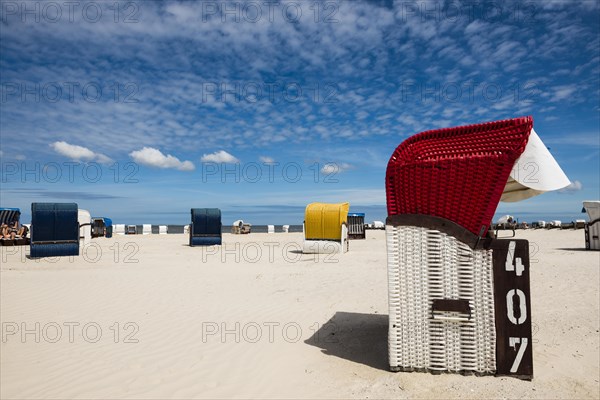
(149, 317)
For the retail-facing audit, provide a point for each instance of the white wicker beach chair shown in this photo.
(592, 228)
(458, 298)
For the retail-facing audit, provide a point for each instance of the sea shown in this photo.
(224, 228)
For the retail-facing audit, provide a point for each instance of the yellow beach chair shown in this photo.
(325, 228)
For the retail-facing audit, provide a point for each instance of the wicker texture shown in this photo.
(425, 265)
(456, 173)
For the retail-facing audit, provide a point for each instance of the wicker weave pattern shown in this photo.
(456, 173)
(424, 265)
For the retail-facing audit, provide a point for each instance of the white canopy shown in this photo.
(535, 172)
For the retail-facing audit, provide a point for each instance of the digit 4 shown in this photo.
(512, 263)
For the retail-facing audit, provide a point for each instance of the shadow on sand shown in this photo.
(361, 338)
(573, 249)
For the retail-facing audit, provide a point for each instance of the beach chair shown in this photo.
(458, 298)
(205, 229)
(285, 228)
(162, 230)
(592, 228)
(55, 230)
(554, 224)
(246, 228)
(240, 227)
(378, 225)
(325, 228)
(98, 227)
(146, 229)
(356, 226)
(119, 229)
(270, 228)
(108, 232)
(7, 217)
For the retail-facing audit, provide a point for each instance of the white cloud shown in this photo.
(563, 92)
(220, 156)
(79, 153)
(102, 159)
(575, 186)
(267, 159)
(334, 168)
(155, 158)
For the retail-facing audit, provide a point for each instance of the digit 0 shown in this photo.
(510, 307)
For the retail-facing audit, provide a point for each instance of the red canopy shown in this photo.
(456, 173)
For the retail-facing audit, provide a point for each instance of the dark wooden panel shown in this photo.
(512, 298)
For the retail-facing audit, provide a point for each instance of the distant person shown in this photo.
(15, 229)
(4, 231)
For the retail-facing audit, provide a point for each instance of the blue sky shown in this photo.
(260, 108)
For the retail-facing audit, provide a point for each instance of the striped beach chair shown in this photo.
(458, 298)
(356, 226)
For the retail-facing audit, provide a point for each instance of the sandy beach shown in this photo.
(150, 317)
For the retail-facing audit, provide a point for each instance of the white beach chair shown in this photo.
(119, 229)
(146, 229)
(378, 225)
(270, 228)
(451, 287)
(162, 230)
